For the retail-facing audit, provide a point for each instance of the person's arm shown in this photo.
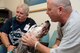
(43, 49)
(5, 41)
(56, 44)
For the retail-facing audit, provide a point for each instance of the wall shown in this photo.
(76, 5)
(1, 3)
(12, 4)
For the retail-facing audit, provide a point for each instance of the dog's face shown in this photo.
(40, 30)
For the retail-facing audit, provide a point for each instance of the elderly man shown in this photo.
(69, 33)
(12, 30)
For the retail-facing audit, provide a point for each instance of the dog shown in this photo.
(39, 31)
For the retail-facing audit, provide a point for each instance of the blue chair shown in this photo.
(45, 40)
(53, 39)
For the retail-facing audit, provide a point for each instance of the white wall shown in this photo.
(76, 4)
(12, 4)
(1, 3)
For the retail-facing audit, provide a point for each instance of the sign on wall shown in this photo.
(34, 2)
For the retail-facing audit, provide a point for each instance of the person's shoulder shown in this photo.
(29, 18)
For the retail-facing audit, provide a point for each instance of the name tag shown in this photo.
(26, 27)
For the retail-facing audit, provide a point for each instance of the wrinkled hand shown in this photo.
(29, 39)
(10, 48)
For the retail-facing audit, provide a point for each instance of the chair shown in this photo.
(45, 40)
(53, 39)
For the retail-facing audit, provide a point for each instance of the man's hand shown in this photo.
(10, 48)
(29, 40)
(55, 46)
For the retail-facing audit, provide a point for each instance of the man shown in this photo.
(15, 27)
(62, 12)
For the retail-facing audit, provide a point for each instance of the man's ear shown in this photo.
(60, 10)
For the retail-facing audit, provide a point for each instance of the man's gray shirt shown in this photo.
(70, 42)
